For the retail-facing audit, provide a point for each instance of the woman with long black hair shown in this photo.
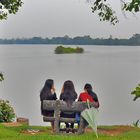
(89, 95)
(48, 93)
(69, 95)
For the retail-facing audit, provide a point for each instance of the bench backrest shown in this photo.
(62, 106)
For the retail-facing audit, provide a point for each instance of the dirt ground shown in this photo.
(12, 124)
(115, 131)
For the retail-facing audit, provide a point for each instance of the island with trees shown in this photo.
(62, 50)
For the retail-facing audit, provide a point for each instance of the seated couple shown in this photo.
(69, 95)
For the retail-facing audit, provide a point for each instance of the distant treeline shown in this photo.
(79, 40)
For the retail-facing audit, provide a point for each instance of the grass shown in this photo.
(105, 133)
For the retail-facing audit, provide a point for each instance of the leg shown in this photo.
(72, 128)
(67, 127)
(72, 125)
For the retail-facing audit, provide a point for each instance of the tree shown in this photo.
(106, 12)
(1, 77)
(9, 7)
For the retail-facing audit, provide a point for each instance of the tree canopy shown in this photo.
(106, 12)
(9, 7)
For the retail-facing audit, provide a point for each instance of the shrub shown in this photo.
(7, 113)
(79, 50)
(136, 92)
(59, 49)
(1, 77)
(62, 50)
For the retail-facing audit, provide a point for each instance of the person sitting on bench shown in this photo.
(68, 95)
(48, 93)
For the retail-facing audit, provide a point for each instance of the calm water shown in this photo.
(113, 72)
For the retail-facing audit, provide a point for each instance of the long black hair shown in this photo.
(69, 94)
(89, 89)
(46, 90)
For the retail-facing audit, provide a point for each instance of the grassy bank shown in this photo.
(45, 133)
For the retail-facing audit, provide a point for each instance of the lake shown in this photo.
(113, 71)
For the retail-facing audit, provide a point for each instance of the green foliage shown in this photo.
(6, 111)
(105, 12)
(9, 7)
(136, 92)
(136, 124)
(133, 6)
(62, 50)
(1, 77)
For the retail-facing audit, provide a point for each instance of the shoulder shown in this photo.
(82, 93)
(94, 94)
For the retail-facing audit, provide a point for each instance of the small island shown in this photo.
(62, 50)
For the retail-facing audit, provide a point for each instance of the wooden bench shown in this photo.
(61, 106)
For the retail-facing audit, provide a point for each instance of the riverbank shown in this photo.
(24, 132)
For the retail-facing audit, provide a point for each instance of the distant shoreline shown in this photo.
(79, 40)
(74, 45)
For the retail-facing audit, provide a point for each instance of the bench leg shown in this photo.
(82, 126)
(56, 126)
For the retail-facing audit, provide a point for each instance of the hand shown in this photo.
(53, 90)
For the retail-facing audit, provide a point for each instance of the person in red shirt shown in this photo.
(88, 94)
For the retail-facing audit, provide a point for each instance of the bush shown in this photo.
(1, 77)
(7, 113)
(59, 49)
(79, 50)
(62, 50)
(136, 92)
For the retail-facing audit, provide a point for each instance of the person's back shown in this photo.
(48, 93)
(88, 95)
(68, 95)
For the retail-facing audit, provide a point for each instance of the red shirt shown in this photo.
(84, 96)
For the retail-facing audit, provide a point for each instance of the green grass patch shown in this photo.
(45, 133)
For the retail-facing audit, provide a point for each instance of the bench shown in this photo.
(59, 106)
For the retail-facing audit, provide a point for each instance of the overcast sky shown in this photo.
(51, 18)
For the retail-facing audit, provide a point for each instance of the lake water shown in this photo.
(113, 71)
